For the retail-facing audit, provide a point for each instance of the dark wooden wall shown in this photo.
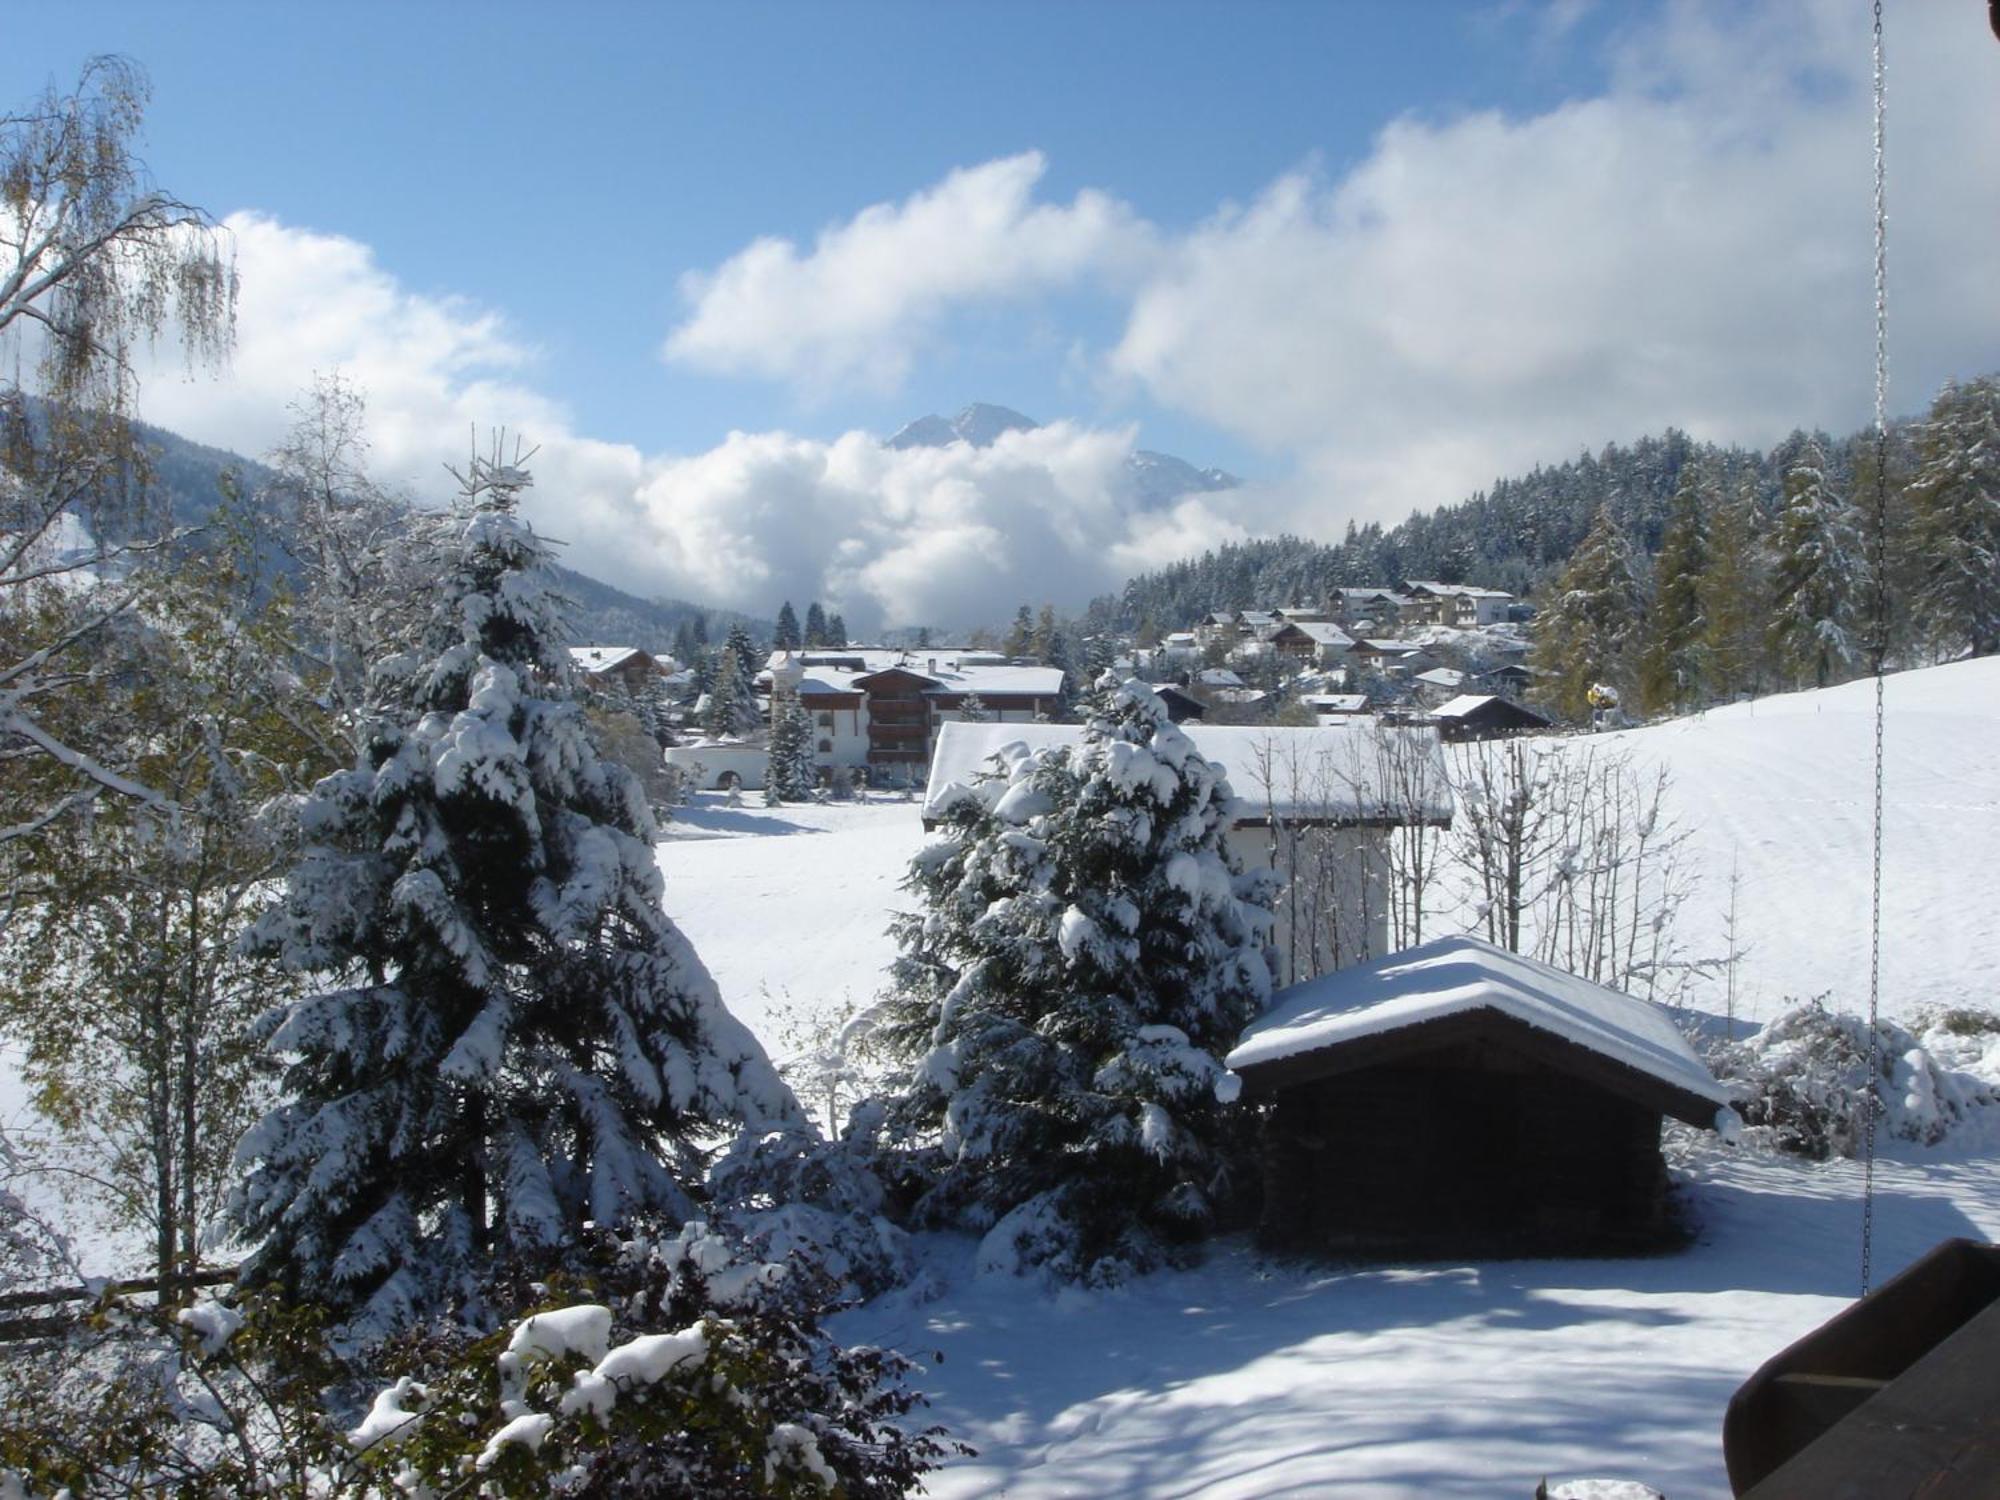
(1471, 1150)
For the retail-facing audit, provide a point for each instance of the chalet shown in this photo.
(623, 668)
(1218, 629)
(1460, 605)
(1334, 708)
(881, 710)
(1260, 623)
(1217, 677)
(1391, 658)
(1182, 706)
(1510, 680)
(1375, 608)
(1480, 716)
(1315, 641)
(1439, 683)
(1459, 1099)
(1322, 799)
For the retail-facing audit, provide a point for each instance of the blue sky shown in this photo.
(1367, 255)
(565, 165)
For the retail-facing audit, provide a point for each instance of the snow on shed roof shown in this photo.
(1458, 975)
(1296, 775)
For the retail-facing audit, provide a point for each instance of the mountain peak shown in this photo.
(980, 424)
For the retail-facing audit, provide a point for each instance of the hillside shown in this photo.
(1513, 536)
(189, 473)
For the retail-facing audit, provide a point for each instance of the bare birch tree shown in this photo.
(95, 261)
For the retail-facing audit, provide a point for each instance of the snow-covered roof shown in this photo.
(1459, 975)
(1461, 590)
(594, 659)
(1295, 775)
(1319, 632)
(1442, 677)
(1335, 703)
(1218, 677)
(1392, 648)
(1463, 704)
(984, 674)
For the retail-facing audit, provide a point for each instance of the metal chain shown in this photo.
(1880, 651)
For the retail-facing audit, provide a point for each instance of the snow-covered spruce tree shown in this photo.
(1817, 578)
(1586, 631)
(1670, 666)
(1955, 497)
(514, 1038)
(790, 775)
(1085, 956)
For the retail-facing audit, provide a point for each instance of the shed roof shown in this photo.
(1296, 775)
(1461, 977)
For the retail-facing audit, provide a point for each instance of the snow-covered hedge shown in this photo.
(1802, 1081)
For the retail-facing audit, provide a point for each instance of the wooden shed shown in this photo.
(1458, 1099)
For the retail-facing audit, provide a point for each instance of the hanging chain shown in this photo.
(1880, 651)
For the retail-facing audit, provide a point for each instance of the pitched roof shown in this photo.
(1319, 632)
(1459, 976)
(1295, 775)
(595, 659)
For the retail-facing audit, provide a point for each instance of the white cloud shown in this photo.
(869, 294)
(953, 537)
(1691, 248)
(947, 536)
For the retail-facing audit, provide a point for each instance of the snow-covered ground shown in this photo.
(1247, 1377)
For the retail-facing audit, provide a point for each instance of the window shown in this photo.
(826, 747)
(825, 722)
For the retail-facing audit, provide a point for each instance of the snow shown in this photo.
(1250, 1377)
(393, 1414)
(1295, 774)
(1454, 975)
(214, 1323)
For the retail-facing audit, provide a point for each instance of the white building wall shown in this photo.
(1332, 907)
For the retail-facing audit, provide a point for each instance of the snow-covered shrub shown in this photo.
(1802, 1081)
(1085, 955)
(512, 1040)
(680, 1366)
(791, 1194)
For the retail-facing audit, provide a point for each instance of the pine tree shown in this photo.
(1735, 599)
(515, 1040)
(1021, 637)
(686, 648)
(1671, 667)
(732, 710)
(1818, 577)
(1085, 956)
(786, 636)
(1955, 498)
(815, 625)
(791, 774)
(1583, 636)
(836, 632)
(974, 710)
